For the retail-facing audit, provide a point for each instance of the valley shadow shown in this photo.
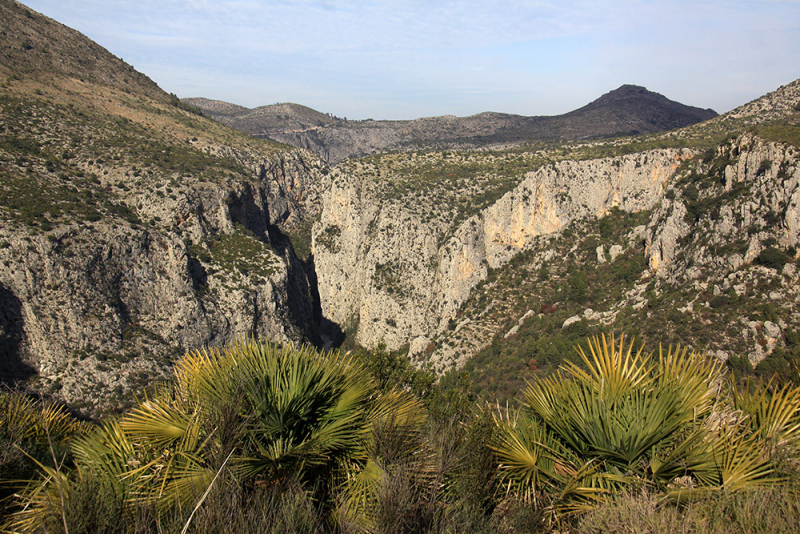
(197, 273)
(322, 332)
(304, 303)
(12, 367)
(330, 334)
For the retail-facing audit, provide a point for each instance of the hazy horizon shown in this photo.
(410, 59)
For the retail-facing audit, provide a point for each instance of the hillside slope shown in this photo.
(499, 260)
(628, 110)
(133, 229)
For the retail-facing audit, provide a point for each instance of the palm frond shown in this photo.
(741, 462)
(24, 418)
(107, 452)
(667, 424)
(531, 459)
(159, 423)
(774, 413)
(612, 369)
(43, 502)
(695, 379)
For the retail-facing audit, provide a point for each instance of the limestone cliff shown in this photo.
(746, 191)
(98, 309)
(451, 252)
(395, 273)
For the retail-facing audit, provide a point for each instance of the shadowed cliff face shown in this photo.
(12, 366)
(106, 305)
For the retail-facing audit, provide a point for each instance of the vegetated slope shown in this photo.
(628, 110)
(133, 228)
(34, 44)
(515, 255)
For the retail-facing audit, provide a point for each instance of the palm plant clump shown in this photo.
(669, 423)
(259, 437)
(33, 434)
(256, 415)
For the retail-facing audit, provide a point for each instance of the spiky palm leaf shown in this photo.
(645, 422)
(773, 412)
(108, 452)
(741, 461)
(395, 453)
(624, 406)
(532, 461)
(612, 370)
(272, 411)
(23, 418)
(162, 423)
(44, 503)
(696, 379)
(357, 496)
(305, 409)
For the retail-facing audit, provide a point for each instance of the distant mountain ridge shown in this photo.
(628, 110)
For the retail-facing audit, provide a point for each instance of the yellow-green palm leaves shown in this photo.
(268, 413)
(626, 417)
(24, 419)
(624, 403)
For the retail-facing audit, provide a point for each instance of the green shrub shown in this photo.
(773, 257)
(263, 413)
(719, 301)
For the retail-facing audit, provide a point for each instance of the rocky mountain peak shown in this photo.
(627, 91)
(638, 106)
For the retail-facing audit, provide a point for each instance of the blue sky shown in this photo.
(406, 59)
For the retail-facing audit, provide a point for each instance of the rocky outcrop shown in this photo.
(392, 278)
(737, 209)
(96, 310)
(289, 184)
(747, 192)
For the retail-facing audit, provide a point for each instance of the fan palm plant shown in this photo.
(625, 417)
(36, 435)
(269, 412)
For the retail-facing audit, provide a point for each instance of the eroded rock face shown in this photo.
(715, 227)
(393, 278)
(99, 309)
(761, 184)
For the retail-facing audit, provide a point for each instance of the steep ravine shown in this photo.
(390, 276)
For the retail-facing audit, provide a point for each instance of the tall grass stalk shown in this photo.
(208, 490)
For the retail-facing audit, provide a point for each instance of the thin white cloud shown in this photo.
(392, 58)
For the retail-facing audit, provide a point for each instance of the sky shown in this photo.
(397, 59)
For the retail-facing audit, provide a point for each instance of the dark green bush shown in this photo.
(774, 258)
(719, 301)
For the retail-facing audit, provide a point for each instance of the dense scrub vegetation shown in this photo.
(258, 437)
